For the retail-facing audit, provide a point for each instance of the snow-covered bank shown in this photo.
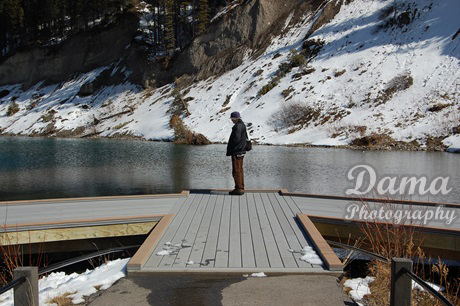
(360, 287)
(453, 143)
(78, 285)
(387, 70)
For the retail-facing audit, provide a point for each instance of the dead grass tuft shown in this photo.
(62, 300)
(402, 239)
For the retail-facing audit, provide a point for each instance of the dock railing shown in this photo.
(401, 278)
(25, 279)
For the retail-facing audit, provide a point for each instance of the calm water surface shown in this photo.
(34, 168)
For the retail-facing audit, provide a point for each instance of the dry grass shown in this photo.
(402, 239)
(183, 135)
(13, 256)
(62, 300)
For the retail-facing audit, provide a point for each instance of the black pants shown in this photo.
(237, 171)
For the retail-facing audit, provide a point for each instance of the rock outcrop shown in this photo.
(222, 47)
(246, 29)
(82, 52)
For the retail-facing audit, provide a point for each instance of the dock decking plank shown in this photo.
(280, 236)
(168, 260)
(291, 213)
(247, 247)
(273, 253)
(260, 252)
(224, 233)
(192, 233)
(234, 255)
(155, 260)
(196, 254)
(295, 209)
(287, 223)
(209, 254)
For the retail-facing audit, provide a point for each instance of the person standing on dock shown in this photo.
(236, 148)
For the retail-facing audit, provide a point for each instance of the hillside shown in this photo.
(378, 74)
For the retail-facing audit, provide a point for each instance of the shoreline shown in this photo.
(394, 146)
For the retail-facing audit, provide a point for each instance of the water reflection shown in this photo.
(32, 168)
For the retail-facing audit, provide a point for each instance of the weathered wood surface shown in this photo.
(55, 211)
(218, 232)
(62, 234)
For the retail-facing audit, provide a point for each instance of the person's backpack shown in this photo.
(248, 143)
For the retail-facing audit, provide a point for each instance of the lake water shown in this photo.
(37, 168)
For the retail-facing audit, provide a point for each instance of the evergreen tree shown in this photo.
(203, 15)
(169, 26)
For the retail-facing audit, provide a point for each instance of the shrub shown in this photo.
(287, 92)
(339, 73)
(258, 72)
(272, 84)
(311, 48)
(227, 100)
(48, 117)
(183, 135)
(373, 140)
(402, 239)
(438, 107)
(179, 105)
(284, 68)
(295, 114)
(297, 59)
(398, 83)
(122, 125)
(13, 108)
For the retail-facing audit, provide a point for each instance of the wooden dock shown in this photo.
(40, 221)
(215, 232)
(210, 231)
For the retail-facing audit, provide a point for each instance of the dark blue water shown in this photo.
(36, 168)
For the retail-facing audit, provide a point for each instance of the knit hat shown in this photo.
(235, 115)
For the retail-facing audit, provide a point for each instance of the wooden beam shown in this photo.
(77, 223)
(64, 234)
(144, 252)
(284, 192)
(326, 253)
(22, 202)
(421, 228)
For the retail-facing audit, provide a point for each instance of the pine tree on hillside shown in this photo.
(169, 26)
(203, 15)
(13, 14)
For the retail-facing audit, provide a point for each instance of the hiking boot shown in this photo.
(236, 192)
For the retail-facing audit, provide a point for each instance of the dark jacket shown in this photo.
(237, 141)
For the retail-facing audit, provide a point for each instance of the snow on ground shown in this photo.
(350, 87)
(359, 287)
(260, 274)
(453, 142)
(416, 286)
(309, 255)
(80, 285)
(225, 10)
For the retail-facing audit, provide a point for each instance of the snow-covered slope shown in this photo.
(386, 67)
